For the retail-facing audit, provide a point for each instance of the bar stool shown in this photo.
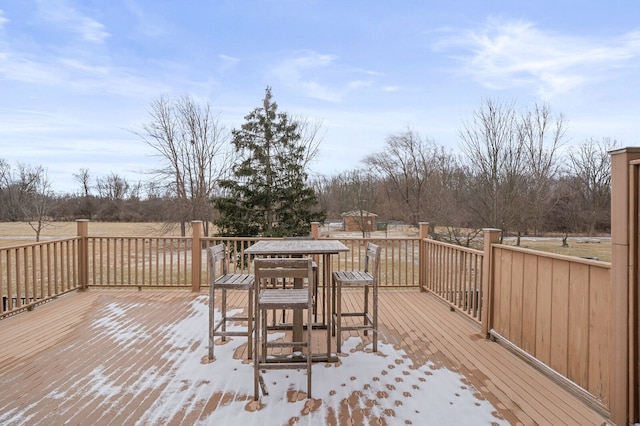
(268, 298)
(217, 254)
(350, 279)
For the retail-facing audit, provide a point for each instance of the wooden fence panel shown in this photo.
(559, 315)
(599, 327)
(578, 323)
(515, 303)
(544, 307)
(556, 309)
(529, 297)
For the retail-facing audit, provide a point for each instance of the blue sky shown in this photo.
(77, 76)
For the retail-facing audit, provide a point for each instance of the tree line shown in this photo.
(513, 172)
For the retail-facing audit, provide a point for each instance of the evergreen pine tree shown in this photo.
(268, 195)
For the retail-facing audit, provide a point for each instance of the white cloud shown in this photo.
(301, 73)
(517, 54)
(227, 62)
(3, 19)
(58, 12)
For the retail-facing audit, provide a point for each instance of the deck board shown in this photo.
(52, 348)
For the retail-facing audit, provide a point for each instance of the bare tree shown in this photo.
(496, 161)
(310, 138)
(36, 197)
(26, 195)
(542, 136)
(86, 209)
(83, 177)
(407, 165)
(590, 163)
(113, 190)
(192, 147)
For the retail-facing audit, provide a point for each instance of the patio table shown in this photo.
(295, 247)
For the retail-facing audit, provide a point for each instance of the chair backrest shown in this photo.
(281, 269)
(372, 260)
(215, 254)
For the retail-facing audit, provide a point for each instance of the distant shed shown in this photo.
(359, 221)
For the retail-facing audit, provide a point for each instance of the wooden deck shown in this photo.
(103, 356)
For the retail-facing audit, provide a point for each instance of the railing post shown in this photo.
(196, 255)
(491, 236)
(315, 230)
(82, 230)
(422, 255)
(624, 375)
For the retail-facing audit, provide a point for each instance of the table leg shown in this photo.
(326, 281)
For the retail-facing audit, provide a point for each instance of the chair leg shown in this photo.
(333, 307)
(366, 308)
(309, 351)
(263, 355)
(375, 318)
(250, 323)
(338, 317)
(256, 359)
(212, 322)
(224, 314)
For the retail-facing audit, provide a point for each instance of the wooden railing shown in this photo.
(454, 274)
(31, 274)
(556, 310)
(553, 309)
(399, 257)
(139, 261)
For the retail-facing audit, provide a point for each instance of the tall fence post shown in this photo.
(491, 236)
(196, 255)
(82, 230)
(422, 255)
(624, 373)
(315, 230)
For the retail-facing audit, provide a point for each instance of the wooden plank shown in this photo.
(559, 316)
(515, 300)
(529, 293)
(599, 323)
(503, 307)
(578, 325)
(544, 285)
(416, 322)
(516, 383)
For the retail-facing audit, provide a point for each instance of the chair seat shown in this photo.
(235, 281)
(279, 299)
(353, 278)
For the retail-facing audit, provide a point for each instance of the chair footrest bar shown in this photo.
(281, 365)
(285, 344)
(230, 333)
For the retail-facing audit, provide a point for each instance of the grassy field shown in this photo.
(596, 248)
(14, 233)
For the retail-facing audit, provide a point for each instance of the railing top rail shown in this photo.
(39, 243)
(455, 246)
(540, 253)
(372, 238)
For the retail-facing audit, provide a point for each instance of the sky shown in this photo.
(77, 77)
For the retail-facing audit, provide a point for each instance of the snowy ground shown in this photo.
(363, 388)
